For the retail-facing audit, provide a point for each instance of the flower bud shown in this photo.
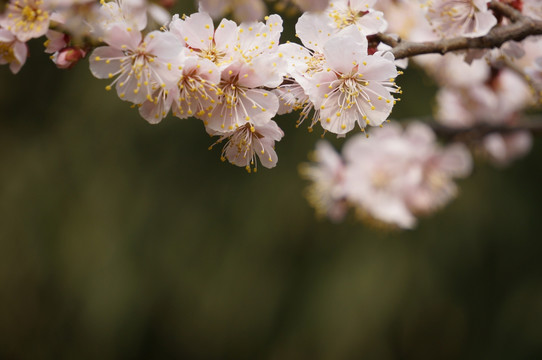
(68, 57)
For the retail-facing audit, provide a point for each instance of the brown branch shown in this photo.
(505, 10)
(521, 27)
(477, 132)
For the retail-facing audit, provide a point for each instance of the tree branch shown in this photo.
(521, 27)
(477, 132)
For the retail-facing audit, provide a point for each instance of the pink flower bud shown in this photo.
(68, 57)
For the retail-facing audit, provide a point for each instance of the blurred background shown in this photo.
(124, 240)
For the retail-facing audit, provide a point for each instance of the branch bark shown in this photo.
(521, 27)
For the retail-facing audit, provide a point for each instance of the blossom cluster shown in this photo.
(340, 75)
(390, 178)
(236, 77)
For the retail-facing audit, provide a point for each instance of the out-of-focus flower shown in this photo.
(496, 101)
(242, 10)
(535, 71)
(532, 8)
(359, 13)
(502, 149)
(458, 72)
(26, 19)
(405, 19)
(470, 18)
(12, 51)
(326, 192)
(123, 13)
(390, 178)
(56, 41)
(312, 5)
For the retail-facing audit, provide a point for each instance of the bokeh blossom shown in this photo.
(390, 178)
(470, 18)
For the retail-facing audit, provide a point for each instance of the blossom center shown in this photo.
(6, 52)
(29, 14)
(351, 86)
(212, 54)
(345, 18)
(380, 179)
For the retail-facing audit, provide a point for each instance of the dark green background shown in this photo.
(123, 240)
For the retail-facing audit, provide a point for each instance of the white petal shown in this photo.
(342, 50)
(104, 61)
(197, 30)
(164, 45)
(314, 30)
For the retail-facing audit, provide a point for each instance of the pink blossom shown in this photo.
(380, 170)
(496, 101)
(312, 5)
(196, 93)
(360, 13)
(242, 97)
(26, 19)
(326, 192)
(200, 36)
(243, 10)
(404, 18)
(250, 141)
(140, 66)
(535, 73)
(123, 13)
(256, 66)
(470, 18)
(56, 41)
(502, 149)
(532, 8)
(458, 72)
(256, 39)
(314, 30)
(355, 88)
(12, 51)
(394, 176)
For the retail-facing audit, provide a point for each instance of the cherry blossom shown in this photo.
(250, 141)
(140, 66)
(12, 51)
(242, 98)
(495, 101)
(360, 13)
(243, 10)
(326, 193)
(26, 19)
(355, 88)
(502, 149)
(256, 66)
(198, 33)
(123, 13)
(196, 93)
(390, 178)
(470, 18)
